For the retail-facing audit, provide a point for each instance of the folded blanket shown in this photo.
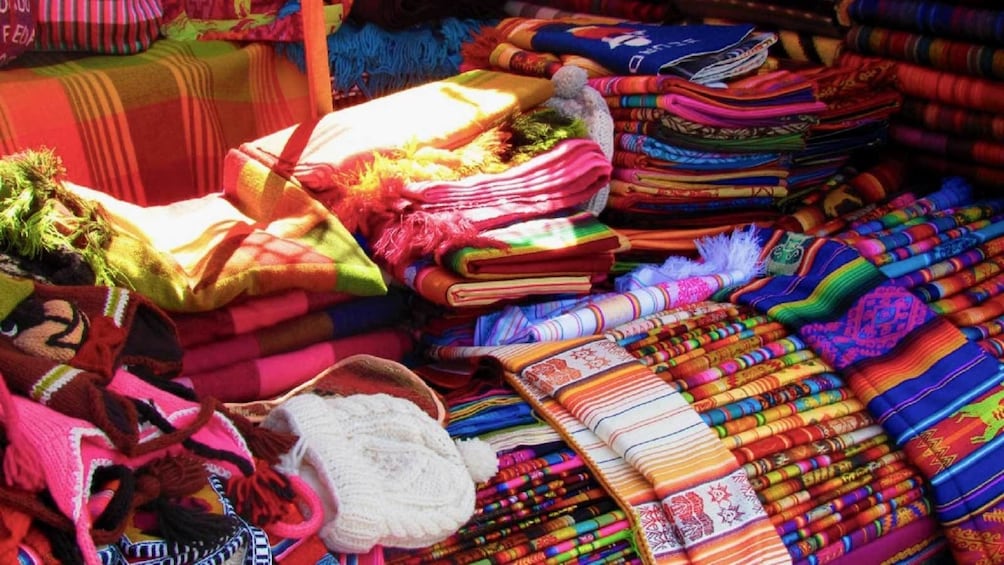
(249, 314)
(955, 120)
(571, 244)
(348, 318)
(946, 54)
(938, 18)
(816, 16)
(262, 235)
(446, 288)
(263, 378)
(133, 143)
(452, 112)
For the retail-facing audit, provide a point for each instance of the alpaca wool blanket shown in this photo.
(261, 235)
(932, 390)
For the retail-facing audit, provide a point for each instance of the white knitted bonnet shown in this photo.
(387, 472)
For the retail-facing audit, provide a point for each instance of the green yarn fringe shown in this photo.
(39, 214)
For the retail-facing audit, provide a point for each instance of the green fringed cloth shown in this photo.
(938, 395)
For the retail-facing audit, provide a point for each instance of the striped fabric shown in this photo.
(652, 428)
(936, 17)
(150, 145)
(946, 54)
(933, 391)
(98, 26)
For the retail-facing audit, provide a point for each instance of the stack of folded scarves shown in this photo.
(944, 247)
(828, 476)
(544, 505)
(948, 64)
(694, 156)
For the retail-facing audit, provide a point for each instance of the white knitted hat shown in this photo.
(388, 473)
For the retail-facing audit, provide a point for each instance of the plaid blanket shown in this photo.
(150, 145)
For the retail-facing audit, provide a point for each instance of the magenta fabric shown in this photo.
(17, 21)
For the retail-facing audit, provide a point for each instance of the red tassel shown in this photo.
(180, 475)
(264, 497)
(265, 444)
(476, 53)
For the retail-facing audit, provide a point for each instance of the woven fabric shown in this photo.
(909, 366)
(942, 19)
(945, 54)
(960, 121)
(585, 376)
(101, 26)
(135, 143)
(235, 241)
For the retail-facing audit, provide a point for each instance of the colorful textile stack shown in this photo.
(935, 393)
(309, 333)
(949, 68)
(545, 504)
(539, 46)
(808, 32)
(828, 476)
(943, 247)
(691, 156)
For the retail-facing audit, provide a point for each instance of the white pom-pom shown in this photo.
(479, 457)
(569, 81)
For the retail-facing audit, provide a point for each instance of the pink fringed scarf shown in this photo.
(439, 216)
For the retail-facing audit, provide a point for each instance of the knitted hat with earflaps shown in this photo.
(63, 455)
(387, 473)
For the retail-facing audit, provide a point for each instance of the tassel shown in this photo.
(180, 475)
(190, 527)
(265, 444)
(476, 53)
(422, 233)
(263, 497)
